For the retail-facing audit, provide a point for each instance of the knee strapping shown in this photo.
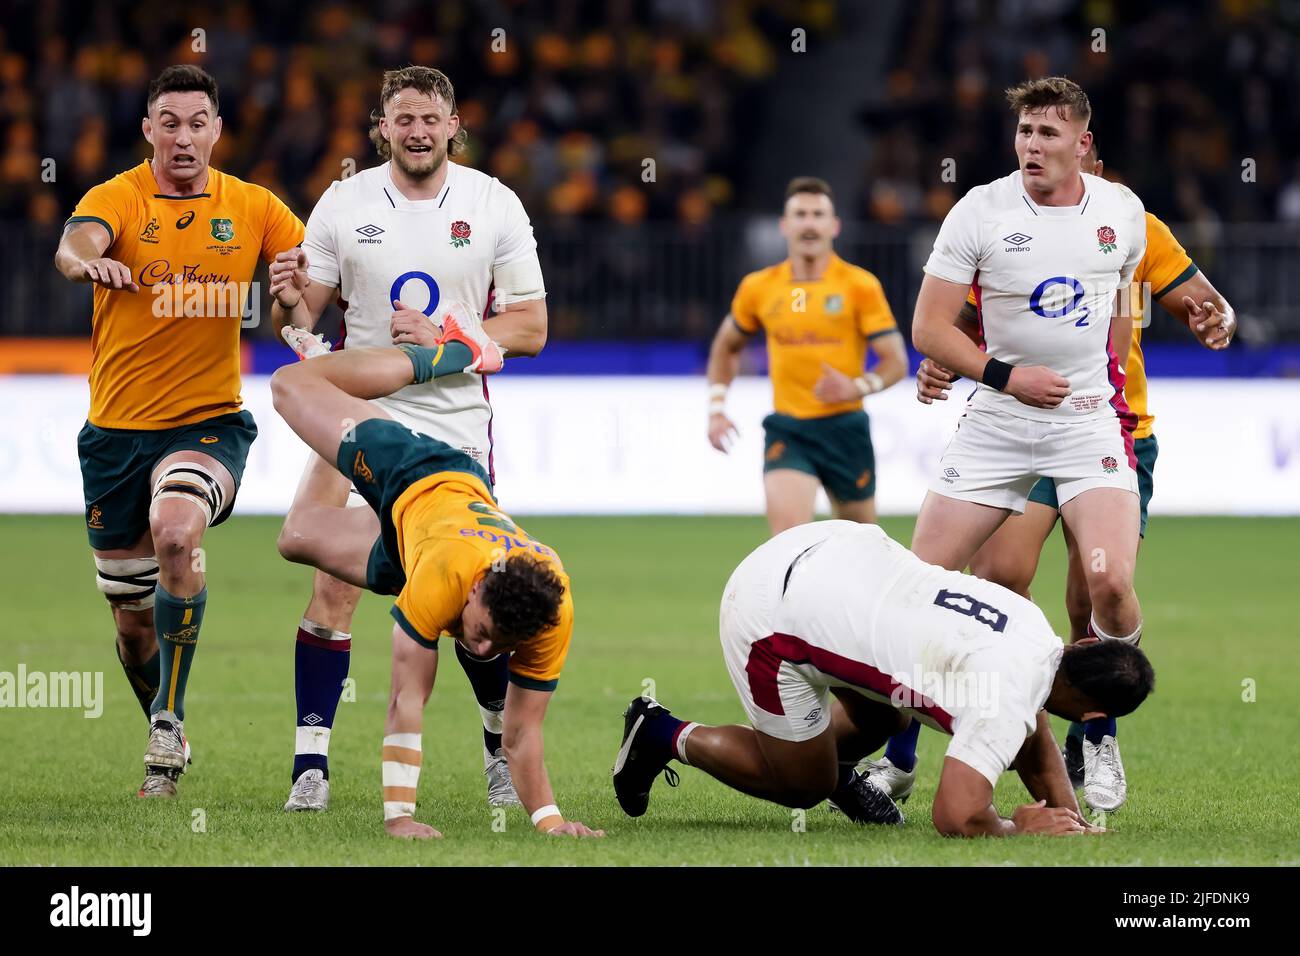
(193, 482)
(128, 583)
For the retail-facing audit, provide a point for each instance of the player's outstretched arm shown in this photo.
(963, 807)
(414, 669)
(1202, 308)
(724, 366)
(521, 738)
(1042, 768)
(80, 258)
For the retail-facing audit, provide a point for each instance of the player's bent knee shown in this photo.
(187, 497)
(128, 583)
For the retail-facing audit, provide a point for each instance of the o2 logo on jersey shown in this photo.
(1057, 297)
(395, 293)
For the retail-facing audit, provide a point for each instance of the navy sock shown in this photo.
(1076, 729)
(1099, 727)
(489, 680)
(176, 621)
(321, 659)
(901, 751)
(661, 731)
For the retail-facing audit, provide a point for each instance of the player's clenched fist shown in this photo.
(111, 274)
(289, 279)
(932, 382)
(721, 432)
(411, 326)
(1050, 821)
(1037, 385)
(1211, 327)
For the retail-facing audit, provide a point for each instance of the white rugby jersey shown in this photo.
(1045, 280)
(376, 246)
(963, 655)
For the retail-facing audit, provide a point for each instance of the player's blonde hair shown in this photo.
(422, 79)
(1048, 91)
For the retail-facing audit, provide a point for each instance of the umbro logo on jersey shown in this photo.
(949, 474)
(370, 231)
(1017, 240)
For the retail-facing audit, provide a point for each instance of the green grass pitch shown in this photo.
(1210, 779)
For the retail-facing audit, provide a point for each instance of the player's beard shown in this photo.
(427, 165)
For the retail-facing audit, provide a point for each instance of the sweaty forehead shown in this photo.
(183, 104)
(413, 101)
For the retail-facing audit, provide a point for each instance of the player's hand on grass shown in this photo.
(722, 433)
(834, 387)
(1212, 328)
(575, 829)
(1049, 821)
(111, 274)
(411, 327)
(1038, 386)
(406, 828)
(933, 382)
(289, 279)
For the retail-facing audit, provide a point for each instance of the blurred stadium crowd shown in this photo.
(570, 100)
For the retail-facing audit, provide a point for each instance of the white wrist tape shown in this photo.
(401, 774)
(869, 383)
(540, 814)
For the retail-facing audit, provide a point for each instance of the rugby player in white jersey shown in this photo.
(1049, 252)
(397, 244)
(835, 636)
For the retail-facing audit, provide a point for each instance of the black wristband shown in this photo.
(996, 374)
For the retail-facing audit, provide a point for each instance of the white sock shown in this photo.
(681, 742)
(1133, 638)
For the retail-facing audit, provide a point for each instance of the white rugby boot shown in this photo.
(896, 783)
(311, 791)
(1104, 786)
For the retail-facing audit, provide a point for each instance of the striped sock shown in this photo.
(321, 658)
(176, 621)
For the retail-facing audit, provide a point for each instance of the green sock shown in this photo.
(176, 622)
(143, 678)
(429, 363)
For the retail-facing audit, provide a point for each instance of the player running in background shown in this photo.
(170, 246)
(1050, 252)
(1010, 557)
(820, 315)
(393, 242)
(834, 636)
(436, 539)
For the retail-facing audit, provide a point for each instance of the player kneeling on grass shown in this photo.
(836, 609)
(435, 539)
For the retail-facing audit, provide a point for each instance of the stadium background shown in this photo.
(611, 417)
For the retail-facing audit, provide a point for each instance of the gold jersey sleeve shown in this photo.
(168, 355)
(450, 533)
(1165, 266)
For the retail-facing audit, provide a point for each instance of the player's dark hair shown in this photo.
(184, 78)
(422, 79)
(522, 595)
(1048, 91)
(1114, 675)
(809, 184)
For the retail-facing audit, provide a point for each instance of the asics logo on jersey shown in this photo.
(370, 231)
(185, 220)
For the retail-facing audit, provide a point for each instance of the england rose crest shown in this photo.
(1106, 239)
(460, 233)
(1109, 465)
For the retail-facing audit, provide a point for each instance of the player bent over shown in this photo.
(437, 541)
(837, 610)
